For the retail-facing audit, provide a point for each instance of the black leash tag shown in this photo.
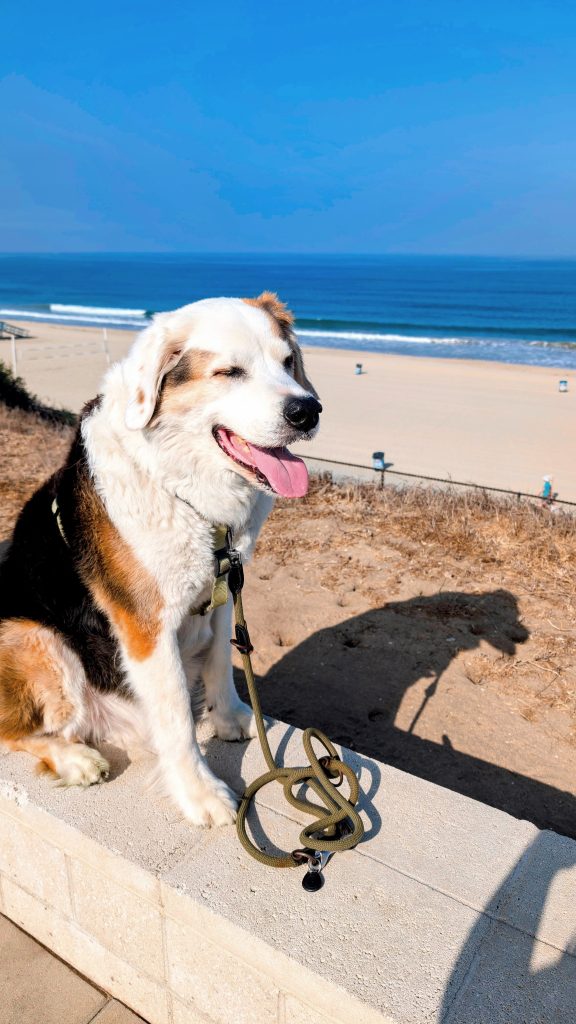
(313, 881)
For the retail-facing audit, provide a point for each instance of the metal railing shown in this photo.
(383, 473)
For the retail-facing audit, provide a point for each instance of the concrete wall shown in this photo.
(449, 911)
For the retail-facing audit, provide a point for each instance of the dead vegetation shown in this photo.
(391, 540)
(30, 450)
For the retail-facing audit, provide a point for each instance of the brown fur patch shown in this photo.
(191, 367)
(42, 747)
(281, 315)
(120, 585)
(182, 386)
(299, 372)
(30, 679)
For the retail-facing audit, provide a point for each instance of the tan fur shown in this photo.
(182, 386)
(119, 583)
(31, 688)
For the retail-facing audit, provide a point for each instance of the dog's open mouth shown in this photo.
(276, 468)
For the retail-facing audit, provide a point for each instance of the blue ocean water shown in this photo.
(500, 309)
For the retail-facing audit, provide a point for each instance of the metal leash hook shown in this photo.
(313, 879)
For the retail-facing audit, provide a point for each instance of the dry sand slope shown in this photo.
(433, 632)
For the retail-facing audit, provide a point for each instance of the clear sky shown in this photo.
(429, 126)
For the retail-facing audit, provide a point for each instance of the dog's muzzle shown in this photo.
(302, 413)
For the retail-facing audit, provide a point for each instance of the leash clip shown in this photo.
(317, 860)
(242, 642)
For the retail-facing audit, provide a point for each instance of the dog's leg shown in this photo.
(74, 764)
(231, 717)
(42, 702)
(160, 682)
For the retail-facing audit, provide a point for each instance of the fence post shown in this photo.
(13, 351)
(382, 479)
(105, 344)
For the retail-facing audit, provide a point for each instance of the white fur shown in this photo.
(145, 473)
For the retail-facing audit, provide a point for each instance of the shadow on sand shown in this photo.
(364, 666)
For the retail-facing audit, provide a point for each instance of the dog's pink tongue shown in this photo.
(286, 474)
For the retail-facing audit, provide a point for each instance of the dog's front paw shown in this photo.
(79, 765)
(215, 805)
(235, 723)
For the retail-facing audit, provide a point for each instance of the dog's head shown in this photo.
(223, 381)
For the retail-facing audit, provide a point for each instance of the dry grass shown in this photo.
(30, 450)
(521, 538)
(457, 542)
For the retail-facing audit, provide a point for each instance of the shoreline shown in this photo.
(485, 422)
(421, 347)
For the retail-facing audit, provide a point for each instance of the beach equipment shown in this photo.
(337, 825)
(378, 460)
(562, 385)
(358, 369)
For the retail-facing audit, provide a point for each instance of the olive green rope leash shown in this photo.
(337, 825)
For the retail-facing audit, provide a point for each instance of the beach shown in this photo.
(490, 423)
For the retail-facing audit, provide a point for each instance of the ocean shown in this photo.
(499, 309)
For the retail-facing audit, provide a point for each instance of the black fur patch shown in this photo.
(41, 575)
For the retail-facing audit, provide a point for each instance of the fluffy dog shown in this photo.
(100, 636)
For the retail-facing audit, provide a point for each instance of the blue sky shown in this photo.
(305, 127)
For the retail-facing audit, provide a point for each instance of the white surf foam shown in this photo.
(57, 307)
(78, 318)
(372, 337)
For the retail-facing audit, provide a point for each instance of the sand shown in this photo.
(493, 424)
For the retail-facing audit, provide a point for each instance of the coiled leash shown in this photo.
(337, 825)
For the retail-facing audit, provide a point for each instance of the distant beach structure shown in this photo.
(563, 385)
(358, 369)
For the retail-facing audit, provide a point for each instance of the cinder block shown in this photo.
(70, 942)
(33, 863)
(124, 923)
(515, 980)
(541, 896)
(295, 1012)
(184, 1013)
(218, 984)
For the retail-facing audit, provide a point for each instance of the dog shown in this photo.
(111, 560)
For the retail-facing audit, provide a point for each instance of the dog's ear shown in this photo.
(155, 353)
(278, 310)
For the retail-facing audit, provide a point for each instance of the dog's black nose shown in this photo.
(302, 413)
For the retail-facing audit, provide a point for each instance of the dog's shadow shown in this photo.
(350, 680)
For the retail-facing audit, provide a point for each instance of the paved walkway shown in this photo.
(38, 988)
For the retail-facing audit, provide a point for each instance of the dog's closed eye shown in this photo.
(230, 371)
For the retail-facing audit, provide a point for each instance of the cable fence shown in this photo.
(378, 476)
